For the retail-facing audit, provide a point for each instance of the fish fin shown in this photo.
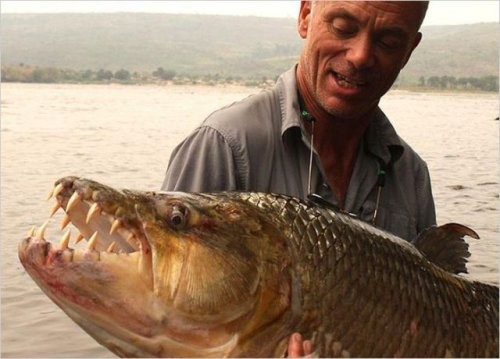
(445, 246)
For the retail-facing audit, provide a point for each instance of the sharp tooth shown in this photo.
(41, 231)
(73, 201)
(93, 211)
(50, 194)
(65, 221)
(116, 224)
(79, 237)
(111, 247)
(31, 232)
(63, 244)
(54, 209)
(92, 241)
(57, 189)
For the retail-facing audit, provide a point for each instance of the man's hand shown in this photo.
(297, 347)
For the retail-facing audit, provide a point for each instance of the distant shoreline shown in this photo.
(241, 85)
(24, 73)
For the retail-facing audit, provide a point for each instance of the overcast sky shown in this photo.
(440, 12)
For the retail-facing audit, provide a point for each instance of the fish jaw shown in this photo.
(92, 288)
(143, 287)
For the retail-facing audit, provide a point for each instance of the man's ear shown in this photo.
(303, 21)
(418, 37)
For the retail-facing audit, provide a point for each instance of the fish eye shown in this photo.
(178, 216)
(176, 219)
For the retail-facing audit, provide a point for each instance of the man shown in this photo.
(353, 53)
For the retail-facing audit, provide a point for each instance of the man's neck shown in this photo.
(336, 141)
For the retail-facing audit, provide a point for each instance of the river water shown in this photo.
(123, 135)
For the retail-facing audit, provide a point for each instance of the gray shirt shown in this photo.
(259, 144)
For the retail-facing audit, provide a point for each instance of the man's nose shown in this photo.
(360, 52)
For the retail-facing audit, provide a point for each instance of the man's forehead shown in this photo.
(407, 11)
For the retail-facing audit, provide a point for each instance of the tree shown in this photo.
(164, 75)
(46, 75)
(104, 75)
(433, 81)
(87, 75)
(488, 83)
(122, 75)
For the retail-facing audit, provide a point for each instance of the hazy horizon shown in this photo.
(439, 13)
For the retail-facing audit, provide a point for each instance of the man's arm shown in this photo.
(203, 162)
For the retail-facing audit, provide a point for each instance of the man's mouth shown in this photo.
(348, 82)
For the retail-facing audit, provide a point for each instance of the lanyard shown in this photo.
(308, 117)
(380, 185)
(304, 115)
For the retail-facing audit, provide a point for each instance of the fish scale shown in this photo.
(426, 292)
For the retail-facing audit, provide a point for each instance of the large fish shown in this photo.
(234, 274)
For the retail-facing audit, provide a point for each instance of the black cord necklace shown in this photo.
(306, 116)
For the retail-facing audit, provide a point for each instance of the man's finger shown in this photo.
(295, 346)
(307, 348)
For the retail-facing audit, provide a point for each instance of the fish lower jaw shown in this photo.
(107, 244)
(43, 254)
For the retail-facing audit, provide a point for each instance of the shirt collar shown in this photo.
(289, 101)
(380, 139)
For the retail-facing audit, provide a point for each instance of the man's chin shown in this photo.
(342, 111)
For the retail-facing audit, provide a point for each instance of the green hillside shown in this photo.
(143, 42)
(204, 44)
(458, 50)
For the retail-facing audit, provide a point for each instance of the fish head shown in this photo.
(167, 274)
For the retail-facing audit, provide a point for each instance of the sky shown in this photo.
(440, 12)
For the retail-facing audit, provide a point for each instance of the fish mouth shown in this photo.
(106, 219)
(93, 284)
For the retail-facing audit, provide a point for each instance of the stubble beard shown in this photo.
(315, 84)
(322, 98)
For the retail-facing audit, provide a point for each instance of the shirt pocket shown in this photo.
(394, 220)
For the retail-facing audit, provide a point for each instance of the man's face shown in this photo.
(354, 51)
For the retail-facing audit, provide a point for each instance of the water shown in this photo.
(123, 135)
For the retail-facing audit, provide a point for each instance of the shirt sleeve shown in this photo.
(426, 214)
(203, 162)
